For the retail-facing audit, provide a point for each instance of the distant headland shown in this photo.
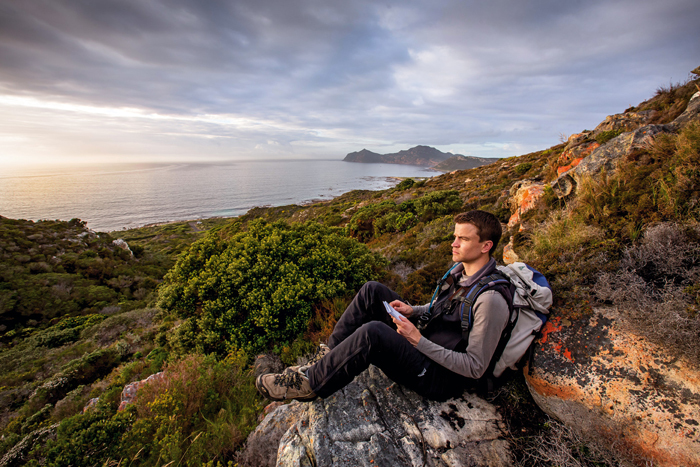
(425, 156)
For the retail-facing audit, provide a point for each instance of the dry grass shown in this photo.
(658, 287)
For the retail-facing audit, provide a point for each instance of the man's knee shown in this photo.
(374, 332)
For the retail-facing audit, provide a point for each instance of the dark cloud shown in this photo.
(343, 73)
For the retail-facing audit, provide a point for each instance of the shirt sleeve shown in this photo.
(490, 319)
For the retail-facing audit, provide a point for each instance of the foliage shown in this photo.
(405, 184)
(200, 410)
(605, 136)
(438, 203)
(522, 169)
(257, 288)
(53, 269)
(660, 184)
(657, 285)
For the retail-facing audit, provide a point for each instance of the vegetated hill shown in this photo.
(204, 407)
(462, 163)
(425, 156)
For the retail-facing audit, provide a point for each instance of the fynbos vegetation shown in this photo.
(83, 317)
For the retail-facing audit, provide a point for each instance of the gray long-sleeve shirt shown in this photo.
(491, 316)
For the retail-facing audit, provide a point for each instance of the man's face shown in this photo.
(467, 247)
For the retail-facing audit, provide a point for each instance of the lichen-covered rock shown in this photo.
(628, 121)
(524, 196)
(595, 374)
(605, 157)
(373, 422)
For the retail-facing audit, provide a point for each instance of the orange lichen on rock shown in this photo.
(525, 198)
(550, 327)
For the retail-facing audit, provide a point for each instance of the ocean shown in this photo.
(113, 197)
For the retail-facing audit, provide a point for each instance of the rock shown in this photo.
(574, 153)
(261, 446)
(374, 421)
(628, 121)
(524, 196)
(509, 255)
(594, 374)
(91, 404)
(691, 113)
(121, 243)
(129, 392)
(605, 158)
(17, 456)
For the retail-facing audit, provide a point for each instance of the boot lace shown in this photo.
(288, 380)
(317, 356)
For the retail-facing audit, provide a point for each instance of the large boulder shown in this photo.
(595, 374)
(373, 421)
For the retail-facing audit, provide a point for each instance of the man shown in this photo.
(435, 361)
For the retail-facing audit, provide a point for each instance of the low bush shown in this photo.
(257, 289)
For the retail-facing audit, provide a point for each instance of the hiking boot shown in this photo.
(283, 386)
(321, 351)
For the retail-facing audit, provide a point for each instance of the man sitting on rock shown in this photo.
(435, 362)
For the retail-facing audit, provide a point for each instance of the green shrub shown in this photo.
(605, 136)
(437, 204)
(361, 225)
(257, 288)
(394, 222)
(405, 184)
(522, 169)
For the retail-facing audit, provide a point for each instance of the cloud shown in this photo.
(224, 78)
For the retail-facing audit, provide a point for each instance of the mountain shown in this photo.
(420, 155)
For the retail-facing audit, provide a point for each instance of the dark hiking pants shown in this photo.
(364, 335)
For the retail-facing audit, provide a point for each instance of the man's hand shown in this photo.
(401, 307)
(407, 330)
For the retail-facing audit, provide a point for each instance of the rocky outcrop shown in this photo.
(595, 374)
(691, 113)
(607, 156)
(524, 196)
(373, 421)
(628, 121)
(129, 392)
(121, 243)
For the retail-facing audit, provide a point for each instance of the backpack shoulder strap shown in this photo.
(495, 281)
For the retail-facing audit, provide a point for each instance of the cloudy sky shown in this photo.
(157, 80)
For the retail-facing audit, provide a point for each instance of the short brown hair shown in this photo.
(488, 227)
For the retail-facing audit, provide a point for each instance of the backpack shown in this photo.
(529, 297)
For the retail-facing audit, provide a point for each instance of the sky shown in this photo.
(87, 81)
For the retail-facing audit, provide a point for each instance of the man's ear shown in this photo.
(486, 247)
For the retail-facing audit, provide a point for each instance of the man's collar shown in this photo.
(467, 281)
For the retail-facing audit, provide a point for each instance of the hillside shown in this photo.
(82, 320)
(425, 156)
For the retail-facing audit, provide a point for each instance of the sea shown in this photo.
(111, 197)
